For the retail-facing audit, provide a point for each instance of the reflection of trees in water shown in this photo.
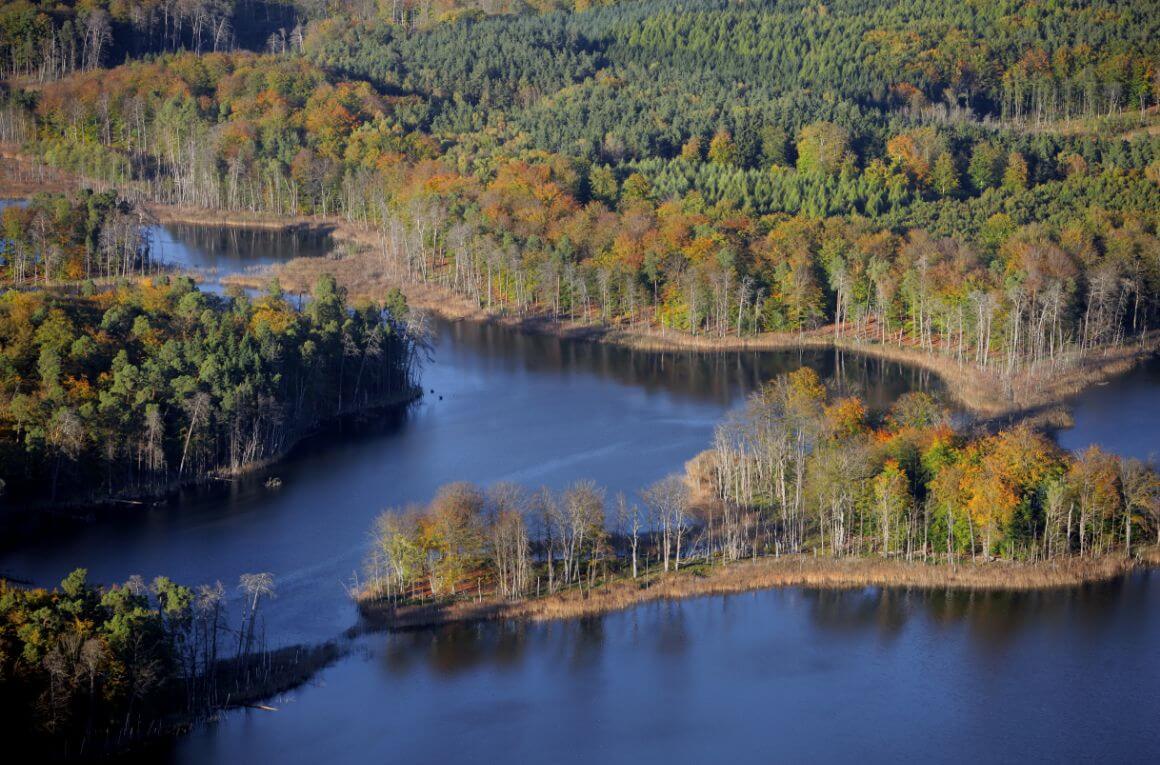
(717, 376)
(850, 612)
(992, 620)
(243, 243)
(582, 642)
(668, 631)
(456, 648)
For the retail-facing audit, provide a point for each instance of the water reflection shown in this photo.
(717, 377)
(1120, 415)
(809, 675)
(801, 675)
(993, 622)
(220, 250)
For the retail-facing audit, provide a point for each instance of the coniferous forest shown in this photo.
(976, 183)
(123, 381)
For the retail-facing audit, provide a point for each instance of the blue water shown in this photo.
(780, 675)
(775, 676)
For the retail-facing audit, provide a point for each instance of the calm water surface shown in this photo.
(773, 676)
(788, 674)
(504, 407)
(1122, 416)
(216, 251)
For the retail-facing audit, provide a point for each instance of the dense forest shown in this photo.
(86, 670)
(46, 40)
(126, 390)
(798, 471)
(982, 185)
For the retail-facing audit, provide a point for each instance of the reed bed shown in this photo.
(765, 573)
(1150, 556)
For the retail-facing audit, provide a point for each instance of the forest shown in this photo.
(87, 670)
(798, 471)
(57, 238)
(132, 387)
(982, 186)
(48, 40)
(975, 181)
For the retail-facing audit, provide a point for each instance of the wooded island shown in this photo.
(802, 488)
(130, 388)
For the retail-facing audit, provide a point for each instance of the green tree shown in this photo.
(945, 176)
(986, 167)
(822, 148)
(722, 149)
(1016, 174)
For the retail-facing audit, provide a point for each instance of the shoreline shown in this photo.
(747, 576)
(1030, 394)
(81, 510)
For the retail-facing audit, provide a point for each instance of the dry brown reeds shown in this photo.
(764, 573)
(1149, 556)
(366, 274)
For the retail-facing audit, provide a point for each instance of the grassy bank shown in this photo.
(764, 573)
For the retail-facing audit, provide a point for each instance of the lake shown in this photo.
(774, 676)
(788, 674)
(498, 406)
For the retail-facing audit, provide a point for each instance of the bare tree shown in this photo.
(254, 587)
(631, 523)
(668, 502)
(507, 504)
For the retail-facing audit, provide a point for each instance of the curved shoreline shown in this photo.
(80, 509)
(1029, 394)
(764, 573)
